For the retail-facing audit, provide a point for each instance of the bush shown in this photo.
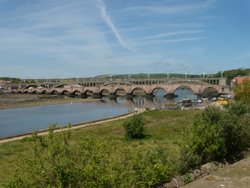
(236, 129)
(188, 160)
(216, 135)
(242, 91)
(135, 127)
(206, 138)
(90, 162)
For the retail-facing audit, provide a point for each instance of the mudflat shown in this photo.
(12, 100)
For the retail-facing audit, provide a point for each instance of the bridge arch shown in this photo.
(158, 88)
(120, 92)
(209, 92)
(89, 92)
(65, 92)
(183, 87)
(138, 91)
(54, 92)
(183, 92)
(43, 92)
(104, 92)
(34, 92)
(77, 92)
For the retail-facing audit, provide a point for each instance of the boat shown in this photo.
(186, 102)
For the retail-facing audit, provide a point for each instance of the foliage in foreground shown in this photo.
(91, 162)
(135, 127)
(216, 135)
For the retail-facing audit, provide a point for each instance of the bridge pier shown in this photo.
(111, 96)
(97, 95)
(199, 95)
(170, 96)
(149, 96)
(129, 96)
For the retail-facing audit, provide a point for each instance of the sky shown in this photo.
(86, 38)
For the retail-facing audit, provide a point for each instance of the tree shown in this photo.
(135, 127)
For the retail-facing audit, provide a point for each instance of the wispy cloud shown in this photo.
(165, 41)
(109, 22)
(168, 34)
(173, 9)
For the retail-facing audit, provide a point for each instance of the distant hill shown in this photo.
(230, 74)
(13, 80)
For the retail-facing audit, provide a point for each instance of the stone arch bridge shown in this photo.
(124, 89)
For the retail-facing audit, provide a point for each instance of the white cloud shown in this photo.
(173, 9)
(165, 41)
(109, 22)
(163, 35)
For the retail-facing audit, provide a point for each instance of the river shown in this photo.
(26, 120)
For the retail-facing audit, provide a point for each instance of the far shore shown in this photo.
(11, 101)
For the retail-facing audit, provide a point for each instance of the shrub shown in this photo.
(242, 91)
(236, 129)
(206, 138)
(187, 178)
(216, 135)
(188, 160)
(152, 168)
(135, 127)
(90, 162)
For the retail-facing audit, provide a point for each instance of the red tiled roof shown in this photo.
(239, 80)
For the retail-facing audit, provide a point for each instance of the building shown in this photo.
(3, 84)
(239, 80)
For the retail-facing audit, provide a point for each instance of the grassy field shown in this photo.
(163, 128)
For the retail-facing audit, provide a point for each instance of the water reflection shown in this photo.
(184, 93)
(157, 100)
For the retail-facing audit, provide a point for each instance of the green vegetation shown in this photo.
(242, 91)
(92, 162)
(13, 80)
(98, 154)
(231, 74)
(101, 156)
(135, 127)
(216, 135)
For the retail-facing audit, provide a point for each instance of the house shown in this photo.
(239, 80)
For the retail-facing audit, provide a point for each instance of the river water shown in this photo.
(26, 120)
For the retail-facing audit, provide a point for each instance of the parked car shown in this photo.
(214, 99)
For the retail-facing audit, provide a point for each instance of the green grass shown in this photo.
(163, 128)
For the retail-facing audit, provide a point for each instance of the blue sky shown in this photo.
(81, 38)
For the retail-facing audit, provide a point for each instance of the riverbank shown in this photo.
(12, 100)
